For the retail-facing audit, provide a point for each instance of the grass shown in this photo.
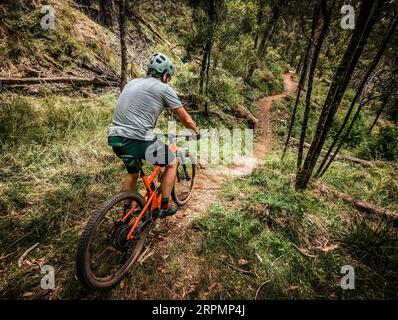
(264, 221)
(75, 38)
(295, 243)
(55, 168)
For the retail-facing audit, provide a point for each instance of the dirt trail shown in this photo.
(177, 232)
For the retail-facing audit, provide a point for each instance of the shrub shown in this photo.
(357, 134)
(382, 145)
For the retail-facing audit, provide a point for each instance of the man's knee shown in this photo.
(171, 165)
(132, 176)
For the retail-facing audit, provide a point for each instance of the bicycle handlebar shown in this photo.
(174, 137)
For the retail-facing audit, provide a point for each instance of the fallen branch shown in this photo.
(304, 252)
(21, 259)
(72, 80)
(109, 74)
(140, 19)
(236, 268)
(246, 114)
(145, 255)
(366, 163)
(259, 288)
(359, 204)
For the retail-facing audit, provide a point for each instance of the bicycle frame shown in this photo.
(152, 196)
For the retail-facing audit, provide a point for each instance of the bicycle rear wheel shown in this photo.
(185, 180)
(104, 255)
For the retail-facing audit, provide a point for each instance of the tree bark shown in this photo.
(71, 80)
(205, 65)
(366, 19)
(359, 204)
(298, 67)
(260, 17)
(107, 13)
(385, 99)
(295, 142)
(303, 76)
(383, 105)
(326, 13)
(322, 168)
(123, 46)
(262, 49)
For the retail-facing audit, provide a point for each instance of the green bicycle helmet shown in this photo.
(160, 63)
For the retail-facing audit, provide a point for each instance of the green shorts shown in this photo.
(133, 151)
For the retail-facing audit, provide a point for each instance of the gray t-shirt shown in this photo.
(139, 106)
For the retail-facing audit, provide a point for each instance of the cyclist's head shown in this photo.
(161, 67)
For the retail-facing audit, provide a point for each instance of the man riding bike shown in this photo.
(131, 132)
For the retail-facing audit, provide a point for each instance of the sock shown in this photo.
(164, 204)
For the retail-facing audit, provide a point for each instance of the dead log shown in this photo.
(108, 73)
(359, 204)
(70, 80)
(246, 114)
(140, 19)
(366, 163)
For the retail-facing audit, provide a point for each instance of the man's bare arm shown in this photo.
(186, 119)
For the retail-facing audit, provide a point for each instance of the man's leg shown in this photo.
(167, 182)
(130, 182)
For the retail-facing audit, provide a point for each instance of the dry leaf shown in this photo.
(27, 294)
(213, 286)
(242, 262)
(40, 262)
(329, 248)
(294, 287)
(259, 257)
(122, 284)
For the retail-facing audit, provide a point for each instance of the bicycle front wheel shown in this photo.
(104, 254)
(185, 180)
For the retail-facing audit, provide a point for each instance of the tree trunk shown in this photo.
(366, 19)
(366, 163)
(262, 49)
(359, 204)
(298, 67)
(322, 34)
(107, 13)
(71, 80)
(207, 81)
(387, 95)
(383, 105)
(303, 76)
(123, 46)
(322, 169)
(205, 65)
(206, 52)
(260, 18)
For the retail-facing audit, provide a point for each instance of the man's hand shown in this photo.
(186, 120)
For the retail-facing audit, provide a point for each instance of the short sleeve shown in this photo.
(170, 99)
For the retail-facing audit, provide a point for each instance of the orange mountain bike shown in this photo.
(115, 234)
